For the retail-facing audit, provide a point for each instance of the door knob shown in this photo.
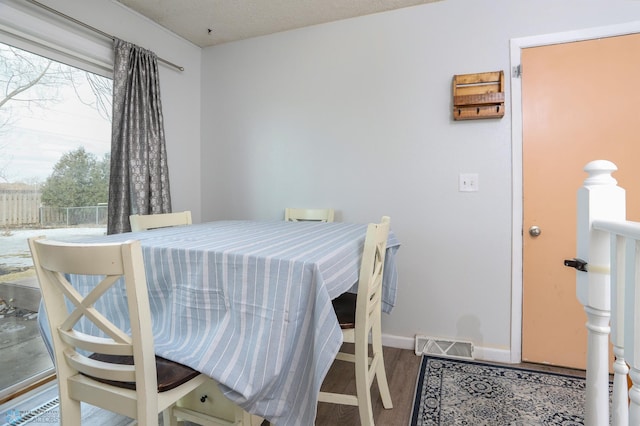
(535, 231)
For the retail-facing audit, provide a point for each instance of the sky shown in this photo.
(35, 143)
(31, 145)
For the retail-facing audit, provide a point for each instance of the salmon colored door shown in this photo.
(579, 103)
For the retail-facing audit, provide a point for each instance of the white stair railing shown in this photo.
(608, 286)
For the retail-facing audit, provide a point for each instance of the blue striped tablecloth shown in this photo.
(249, 304)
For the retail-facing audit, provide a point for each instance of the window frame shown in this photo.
(28, 27)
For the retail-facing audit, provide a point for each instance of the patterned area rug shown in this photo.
(457, 392)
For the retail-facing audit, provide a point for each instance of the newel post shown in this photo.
(598, 199)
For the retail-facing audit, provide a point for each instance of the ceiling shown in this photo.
(211, 22)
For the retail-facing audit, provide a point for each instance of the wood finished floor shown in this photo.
(402, 371)
(402, 367)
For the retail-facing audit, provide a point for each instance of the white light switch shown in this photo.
(469, 182)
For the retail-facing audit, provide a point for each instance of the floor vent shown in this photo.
(18, 418)
(442, 347)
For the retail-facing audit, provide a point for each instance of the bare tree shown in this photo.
(101, 89)
(29, 81)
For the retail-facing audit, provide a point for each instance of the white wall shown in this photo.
(180, 90)
(355, 115)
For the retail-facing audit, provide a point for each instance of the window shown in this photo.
(55, 131)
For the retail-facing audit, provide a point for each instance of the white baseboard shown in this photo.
(480, 353)
(492, 354)
(399, 342)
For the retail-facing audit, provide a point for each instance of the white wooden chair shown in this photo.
(314, 215)
(151, 221)
(120, 372)
(358, 316)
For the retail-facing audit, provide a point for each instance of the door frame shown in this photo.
(516, 46)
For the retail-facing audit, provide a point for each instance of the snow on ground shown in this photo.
(14, 250)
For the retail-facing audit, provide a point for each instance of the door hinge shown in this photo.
(516, 71)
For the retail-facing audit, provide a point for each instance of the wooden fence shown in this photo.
(22, 208)
(19, 207)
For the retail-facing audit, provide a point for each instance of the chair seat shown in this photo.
(345, 307)
(170, 374)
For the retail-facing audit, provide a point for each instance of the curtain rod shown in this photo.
(95, 30)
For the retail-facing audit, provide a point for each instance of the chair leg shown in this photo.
(364, 400)
(70, 412)
(168, 418)
(363, 390)
(383, 385)
(381, 374)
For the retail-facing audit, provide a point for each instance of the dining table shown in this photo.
(248, 303)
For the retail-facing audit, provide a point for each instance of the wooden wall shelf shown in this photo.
(477, 96)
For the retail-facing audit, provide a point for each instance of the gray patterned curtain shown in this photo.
(139, 180)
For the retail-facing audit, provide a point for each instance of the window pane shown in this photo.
(55, 132)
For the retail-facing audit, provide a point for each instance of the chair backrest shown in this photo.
(369, 300)
(151, 221)
(75, 351)
(316, 215)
